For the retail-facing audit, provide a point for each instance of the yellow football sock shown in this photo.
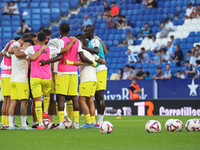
(92, 119)
(69, 109)
(76, 116)
(3, 120)
(61, 116)
(57, 112)
(88, 119)
(46, 101)
(38, 111)
(7, 120)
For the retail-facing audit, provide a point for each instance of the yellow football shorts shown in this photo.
(40, 86)
(52, 88)
(87, 89)
(67, 84)
(19, 91)
(101, 80)
(5, 86)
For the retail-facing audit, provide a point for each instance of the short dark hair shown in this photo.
(23, 20)
(17, 38)
(64, 27)
(127, 66)
(189, 51)
(139, 67)
(147, 73)
(154, 37)
(146, 23)
(197, 45)
(178, 71)
(25, 36)
(159, 68)
(186, 61)
(41, 37)
(90, 27)
(134, 79)
(172, 36)
(167, 65)
(143, 48)
(81, 37)
(112, 2)
(12, 2)
(47, 32)
(198, 62)
(164, 49)
(29, 41)
(33, 35)
(132, 67)
(167, 19)
(140, 55)
(155, 51)
(177, 46)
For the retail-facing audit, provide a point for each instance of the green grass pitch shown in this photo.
(128, 134)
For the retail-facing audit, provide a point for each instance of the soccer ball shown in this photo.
(167, 124)
(153, 126)
(176, 125)
(68, 123)
(106, 127)
(192, 125)
(48, 124)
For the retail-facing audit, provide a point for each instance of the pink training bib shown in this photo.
(37, 71)
(71, 55)
(7, 61)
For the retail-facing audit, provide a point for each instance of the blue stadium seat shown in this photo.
(103, 25)
(167, 4)
(178, 9)
(45, 22)
(45, 10)
(190, 39)
(36, 28)
(113, 66)
(197, 39)
(23, 5)
(5, 23)
(64, 10)
(173, 64)
(179, 3)
(192, 34)
(16, 22)
(36, 22)
(16, 17)
(36, 11)
(44, 5)
(55, 5)
(7, 35)
(34, 5)
(5, 17)
(152, 65)
(36, 16)
(189, 45)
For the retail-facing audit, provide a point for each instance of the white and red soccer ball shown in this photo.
(68, 123)
(47, 124)
(192, 125)
(153, 126)
(106, 127)
(174, 125)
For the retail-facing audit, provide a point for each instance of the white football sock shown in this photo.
(40, 124)
(23, 120)
(61, 124)
(11, 121)
(99, 119)
(46, 112)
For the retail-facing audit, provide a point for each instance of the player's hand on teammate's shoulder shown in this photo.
(42, 62)
(96, 37)
(44, 47)
(73, 39)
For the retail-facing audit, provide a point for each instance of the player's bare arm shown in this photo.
(85, 59)
(104, 47)
(95, 50)
(75, 63)
(52, 60)
(36, 55)
(68, 47)
(102, 61)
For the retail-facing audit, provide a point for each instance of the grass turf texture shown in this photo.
(128, 133)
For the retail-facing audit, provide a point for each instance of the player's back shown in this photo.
(37, 71)
(71, 55)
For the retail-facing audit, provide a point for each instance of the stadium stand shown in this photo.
(42, 12)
